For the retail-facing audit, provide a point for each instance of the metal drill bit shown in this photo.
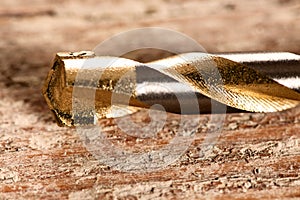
(283, 67)
(230, 79)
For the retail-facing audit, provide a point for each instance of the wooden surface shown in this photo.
(257, 156)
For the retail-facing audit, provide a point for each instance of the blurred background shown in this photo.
(32, 31)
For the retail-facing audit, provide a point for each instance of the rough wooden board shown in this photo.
(257, 155)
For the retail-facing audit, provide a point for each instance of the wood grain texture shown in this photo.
(257, 156)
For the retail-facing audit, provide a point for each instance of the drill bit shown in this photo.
(120, 86)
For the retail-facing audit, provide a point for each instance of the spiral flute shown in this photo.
(184, 84)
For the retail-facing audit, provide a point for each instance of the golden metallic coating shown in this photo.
(103, 80)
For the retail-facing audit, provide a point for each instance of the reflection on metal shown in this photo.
(120, 86)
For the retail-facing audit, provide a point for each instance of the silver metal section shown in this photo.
(283, 67)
